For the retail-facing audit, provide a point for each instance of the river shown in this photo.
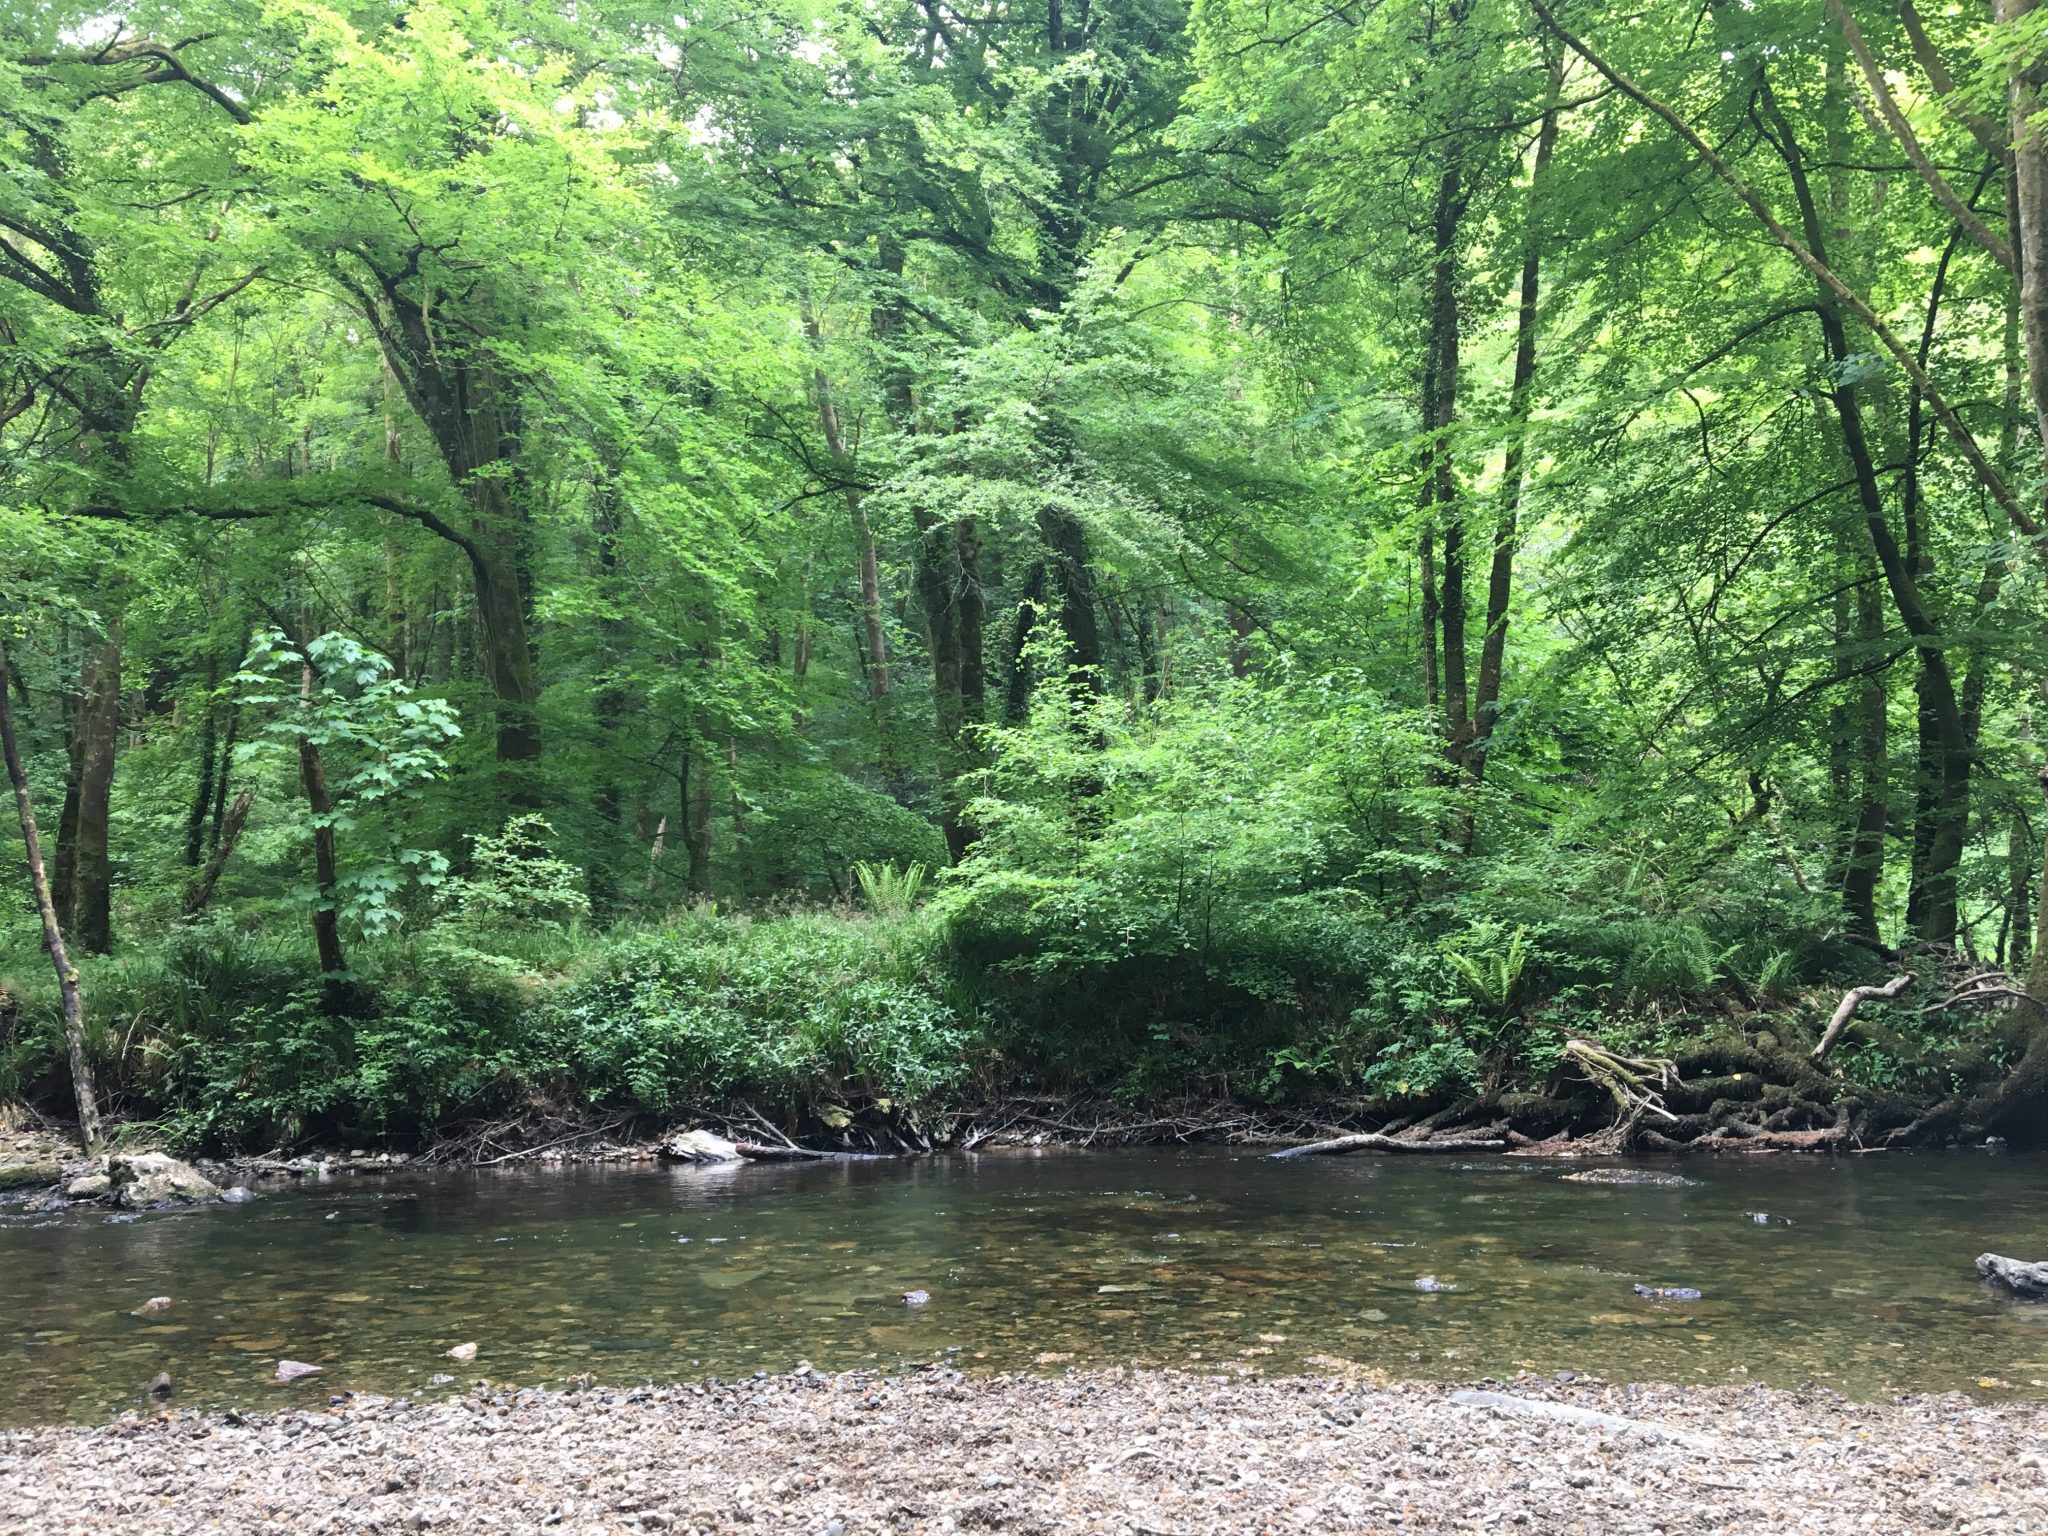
(1853, 1274)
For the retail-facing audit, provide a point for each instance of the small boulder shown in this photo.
(698, 1147)
(2016, 1275)
(28, 1175)
(91, 1187)
(144, 1181)
(463, 1352)
(295, 1370)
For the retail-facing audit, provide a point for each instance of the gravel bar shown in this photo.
(1137, 1453)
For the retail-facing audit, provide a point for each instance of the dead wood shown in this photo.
(1375, 1142)
(1845, 1010)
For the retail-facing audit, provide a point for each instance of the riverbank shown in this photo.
(1115, 1451)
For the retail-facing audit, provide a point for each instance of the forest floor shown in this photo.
(1138, 1454)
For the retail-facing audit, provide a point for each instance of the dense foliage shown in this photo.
(872, 553)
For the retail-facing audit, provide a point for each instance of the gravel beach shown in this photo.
(1138, 1453)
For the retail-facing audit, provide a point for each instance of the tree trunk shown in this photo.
(697, 820)
(202, 796)
(875, 645)
(326, 920)
(1521, 400)
(1863, 866)
(1066, 543)
(608, 706)
(63, 881)
(83, 1090)
(200, 892)
(1439, 411)
(1937, 916)
(92, 872)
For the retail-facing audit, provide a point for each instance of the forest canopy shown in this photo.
(879, 550)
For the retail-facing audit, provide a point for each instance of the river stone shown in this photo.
(698, 1147)
(27, 1175)
(90, 1187)
(2016, 1275)
(146, 1180)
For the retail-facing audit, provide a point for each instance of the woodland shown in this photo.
(1451, 562)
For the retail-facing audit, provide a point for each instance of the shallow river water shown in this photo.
(1861, 1279)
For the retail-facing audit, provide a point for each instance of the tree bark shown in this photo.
(83, 1090)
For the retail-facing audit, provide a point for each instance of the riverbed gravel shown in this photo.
(1132, 1453)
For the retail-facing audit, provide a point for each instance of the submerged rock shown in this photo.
(144, 1181)
(1668, 1292)
(698, 1147)
(2016, 1275)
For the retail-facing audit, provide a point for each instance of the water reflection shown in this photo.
(1860, 1279)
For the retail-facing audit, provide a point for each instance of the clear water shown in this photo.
(1861, 1280)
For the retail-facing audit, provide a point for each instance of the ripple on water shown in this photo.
(1861, 1280)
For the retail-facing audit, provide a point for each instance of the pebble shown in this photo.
(1111, 1451)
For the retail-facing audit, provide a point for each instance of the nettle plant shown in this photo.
(375, 746)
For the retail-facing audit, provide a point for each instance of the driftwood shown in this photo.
(1845, 1010)
(1628, 1080)
(1589, 1418)
(1376, 1142)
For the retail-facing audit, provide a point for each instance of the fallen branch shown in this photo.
(1845, 1010)
(760, 1152)
(1377, 1142)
